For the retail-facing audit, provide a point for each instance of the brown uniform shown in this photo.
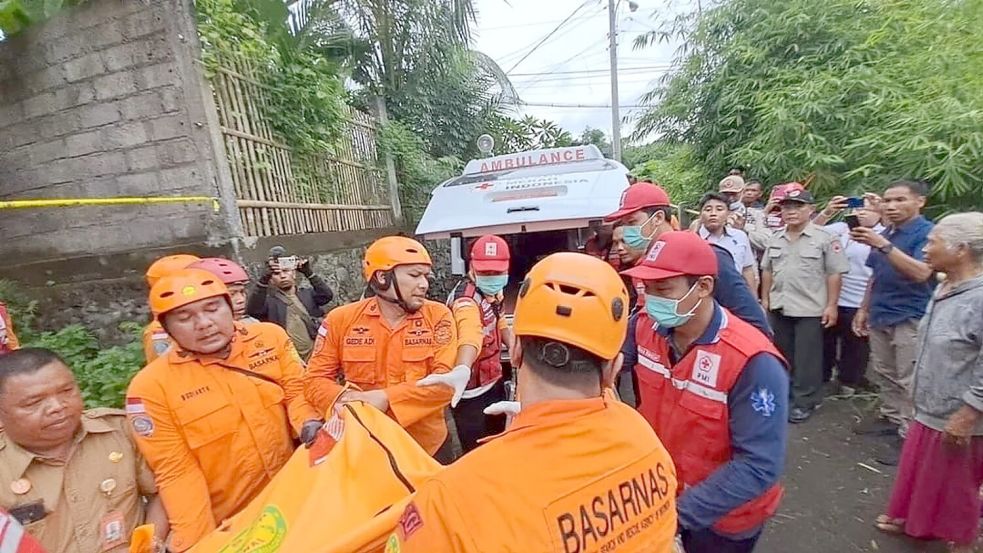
(98, 489)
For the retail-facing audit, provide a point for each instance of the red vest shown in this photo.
(4, 317)
(686, 404)
(487, 367)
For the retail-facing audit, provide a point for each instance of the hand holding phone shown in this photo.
(287, 263)
(854, 203)
(852, 221)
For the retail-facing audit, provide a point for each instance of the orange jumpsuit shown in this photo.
(355, 342)
(215, 431)
(155, 341)
(8, 340)
(573, 476)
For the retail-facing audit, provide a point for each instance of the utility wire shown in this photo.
(606, 71)
(547, 37)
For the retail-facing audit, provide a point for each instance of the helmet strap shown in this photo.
(389, 277)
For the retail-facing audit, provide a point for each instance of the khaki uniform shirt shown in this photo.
(799, 270)
(104, 476)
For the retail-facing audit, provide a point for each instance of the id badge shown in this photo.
(112, 531)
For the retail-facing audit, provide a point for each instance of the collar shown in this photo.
(553, 413)
(711, 335)
(809, 230)
(20, 459)
(964, 286)
(914, 224)
(704, 233)
(240, 336)
(373, 310)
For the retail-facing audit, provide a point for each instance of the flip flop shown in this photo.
(889, 525)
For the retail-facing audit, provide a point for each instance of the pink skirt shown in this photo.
(937, 489)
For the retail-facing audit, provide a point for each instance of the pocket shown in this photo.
(270, 394)
(416, 364)
(707, 418)
(359, 364)
(204, 423)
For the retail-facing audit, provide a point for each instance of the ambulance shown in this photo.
(540, 202)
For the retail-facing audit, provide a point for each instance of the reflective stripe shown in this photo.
(687, 385)
(653, 365)
(12, 535)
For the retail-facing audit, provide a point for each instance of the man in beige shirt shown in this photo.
(801, 275)
(73, 478)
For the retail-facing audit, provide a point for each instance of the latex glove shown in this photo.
(457, 379)
(508, 408)
(678, 545)
(308, 432)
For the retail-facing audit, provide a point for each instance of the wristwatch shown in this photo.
(886, 248)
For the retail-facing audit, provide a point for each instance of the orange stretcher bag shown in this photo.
(343, 495)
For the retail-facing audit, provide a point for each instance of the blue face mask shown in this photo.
(665, 311)
(491, 285)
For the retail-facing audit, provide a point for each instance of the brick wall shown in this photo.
(105, 100)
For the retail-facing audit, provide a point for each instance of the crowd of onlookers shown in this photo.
(868, 281)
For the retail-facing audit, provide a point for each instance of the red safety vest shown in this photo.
(487, 367)
(686, 404)
(14, 538)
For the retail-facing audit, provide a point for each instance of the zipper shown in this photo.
(392, 459)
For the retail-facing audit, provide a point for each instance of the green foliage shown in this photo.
(417, 171)
(16, 15)
(518, 135)
(595, 137)
(306, 104)
(674, 166)
(103, 373)
(851, 93)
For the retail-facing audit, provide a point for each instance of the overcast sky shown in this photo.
(572, 66)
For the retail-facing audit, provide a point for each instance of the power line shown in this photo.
(547, 37)
(575, 106)
(536, 23)
(585, 71)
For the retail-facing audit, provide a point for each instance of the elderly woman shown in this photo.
(936, 493)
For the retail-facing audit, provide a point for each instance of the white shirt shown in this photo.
(734, 241)
(855, 281)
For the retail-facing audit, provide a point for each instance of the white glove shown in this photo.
(679, 545)
(457, 379)
(509, 408)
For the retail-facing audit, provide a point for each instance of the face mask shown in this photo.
(491, 285)
(665, 311)
(633, 237)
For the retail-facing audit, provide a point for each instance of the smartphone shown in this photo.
(287, 263)
(852, 221)
(31, 512)
(854, 203)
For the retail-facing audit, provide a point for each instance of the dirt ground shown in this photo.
(831, 500)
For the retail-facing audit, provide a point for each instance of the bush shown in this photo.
(102, 373)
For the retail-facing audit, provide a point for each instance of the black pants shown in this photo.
(705, 541)
(845, 350)
(800, 340)
(472, 423)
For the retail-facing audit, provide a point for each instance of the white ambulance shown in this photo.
(540, 202)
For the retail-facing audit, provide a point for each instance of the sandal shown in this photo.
(889, 525)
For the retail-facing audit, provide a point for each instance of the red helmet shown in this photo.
(229, 272)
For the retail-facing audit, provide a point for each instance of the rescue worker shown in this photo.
(236, 280)
(577, 470)
(155, 339)
(645, 214)
(476, 303)
(715, 390)
(383, 344)
(8, 340)
(213, 416)
(72, 478)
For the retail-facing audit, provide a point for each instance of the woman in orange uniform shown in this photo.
(384, 344)
(215, 416)
(577, 471)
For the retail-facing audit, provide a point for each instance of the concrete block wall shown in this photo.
(104, 101)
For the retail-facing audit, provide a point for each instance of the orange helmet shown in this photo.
(575, 299)
(392, 251)
(184, 287)
(167, 265)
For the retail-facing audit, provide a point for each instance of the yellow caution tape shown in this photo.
(74, 202)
